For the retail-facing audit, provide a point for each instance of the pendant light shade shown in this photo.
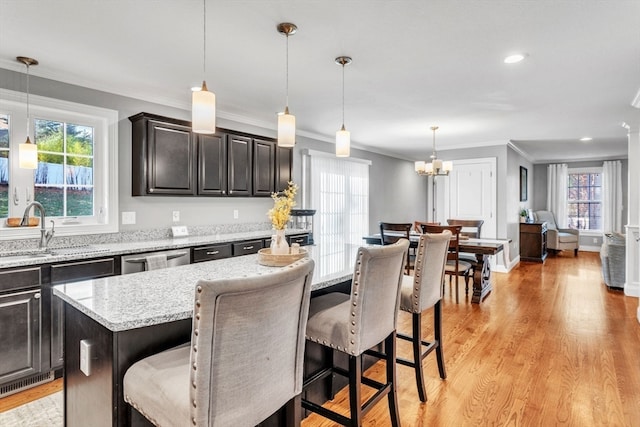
(343, 136)
(287, 121)
(27, 151)
(203, 110)
(203, 102)
(343, 143)
(28, 155)
(286, 129)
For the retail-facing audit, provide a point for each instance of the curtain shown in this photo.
(557, 175)
(612, 196)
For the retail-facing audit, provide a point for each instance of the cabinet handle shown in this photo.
(224, 192)
(37, 296)
(213, 253)
(246, 248)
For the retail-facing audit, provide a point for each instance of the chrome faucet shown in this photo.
(45, 236)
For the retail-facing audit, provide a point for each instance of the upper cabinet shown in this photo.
(162, 156)
(168, 159)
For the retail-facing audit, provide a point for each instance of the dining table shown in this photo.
(481, 248)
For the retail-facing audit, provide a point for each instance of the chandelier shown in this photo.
(436, 166)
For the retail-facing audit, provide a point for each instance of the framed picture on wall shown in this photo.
(523, 184)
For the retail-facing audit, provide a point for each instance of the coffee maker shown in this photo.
(302, 219)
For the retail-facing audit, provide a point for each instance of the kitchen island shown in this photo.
(121, 319)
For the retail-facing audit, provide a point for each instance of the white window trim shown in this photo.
(105, 123)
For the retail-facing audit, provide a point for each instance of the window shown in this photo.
(64, 178)
(76, 178)
(339, 192)
(584, 204)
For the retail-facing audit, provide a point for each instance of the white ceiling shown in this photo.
(415, 64)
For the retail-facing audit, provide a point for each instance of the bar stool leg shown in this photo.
(417, 356)
(355, 379)
(390, 349)
(437, 313)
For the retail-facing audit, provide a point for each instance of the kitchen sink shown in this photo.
(45, 253)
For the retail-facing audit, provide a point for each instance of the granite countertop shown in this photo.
(19, 258)
(153, 297)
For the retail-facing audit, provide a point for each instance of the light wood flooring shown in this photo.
(549, 346)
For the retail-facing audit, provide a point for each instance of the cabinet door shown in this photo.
(264, 161)
(170, 161)
(239, 165)
(212, 165)
(21, 346)
(284, 163)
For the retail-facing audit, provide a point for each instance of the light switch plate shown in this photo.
(179, 231)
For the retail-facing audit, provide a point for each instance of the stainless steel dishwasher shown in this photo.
(136, 263)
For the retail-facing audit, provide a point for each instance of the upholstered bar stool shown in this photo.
(245, 358)
(354, 323)
(423, 291)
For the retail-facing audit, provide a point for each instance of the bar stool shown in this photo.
(354, 323)
(245, 359)
(420, 292)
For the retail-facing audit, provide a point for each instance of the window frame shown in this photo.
(105, 167)
(583, 170)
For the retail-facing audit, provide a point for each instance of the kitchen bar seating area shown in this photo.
(268, 216)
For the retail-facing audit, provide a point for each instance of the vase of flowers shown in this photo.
(523, 215)
(279, 215)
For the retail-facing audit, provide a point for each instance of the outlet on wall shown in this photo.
(176, 216)
(128, 218)
(235, 214)
(595, 240)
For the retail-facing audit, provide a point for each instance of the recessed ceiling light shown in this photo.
(512, 59)
(586, 138)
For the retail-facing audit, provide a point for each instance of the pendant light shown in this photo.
(436, 166)
(343, 136)
(286, 121)
(203, 102)
(27, 151)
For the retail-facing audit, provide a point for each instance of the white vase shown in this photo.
(279, 245)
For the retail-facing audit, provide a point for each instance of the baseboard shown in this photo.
(632, 289)
(589, 248)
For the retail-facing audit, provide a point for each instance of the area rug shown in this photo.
(44, 412)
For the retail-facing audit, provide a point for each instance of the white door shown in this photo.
(470, 193)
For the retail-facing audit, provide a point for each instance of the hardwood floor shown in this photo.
(550, 346)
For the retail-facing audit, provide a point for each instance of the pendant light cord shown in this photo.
(287, 75)
(343, 95)
(28, 101)
(204, 39)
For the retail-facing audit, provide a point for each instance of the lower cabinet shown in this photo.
(211, 252)
(533, 241)
(66, 273)
(20, 334)
(247, 247)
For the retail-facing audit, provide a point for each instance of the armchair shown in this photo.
(559, 239)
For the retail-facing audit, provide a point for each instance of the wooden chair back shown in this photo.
(398, 231)
(417, 225)
(471, 227)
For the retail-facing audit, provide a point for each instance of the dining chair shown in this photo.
(392, 232)
(417, 225)
(471, 228)
(421, 292)
(245, 358)
(353, 323)
(455, 267)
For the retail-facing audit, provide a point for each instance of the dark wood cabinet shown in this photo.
(170, 160)
(212, 165)
(66, 273)
(533, 241)
(247, 247)
(211, 252)
(239, 165)
(283, 172)
(163, 156)
(264, 165)
(21, 351)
